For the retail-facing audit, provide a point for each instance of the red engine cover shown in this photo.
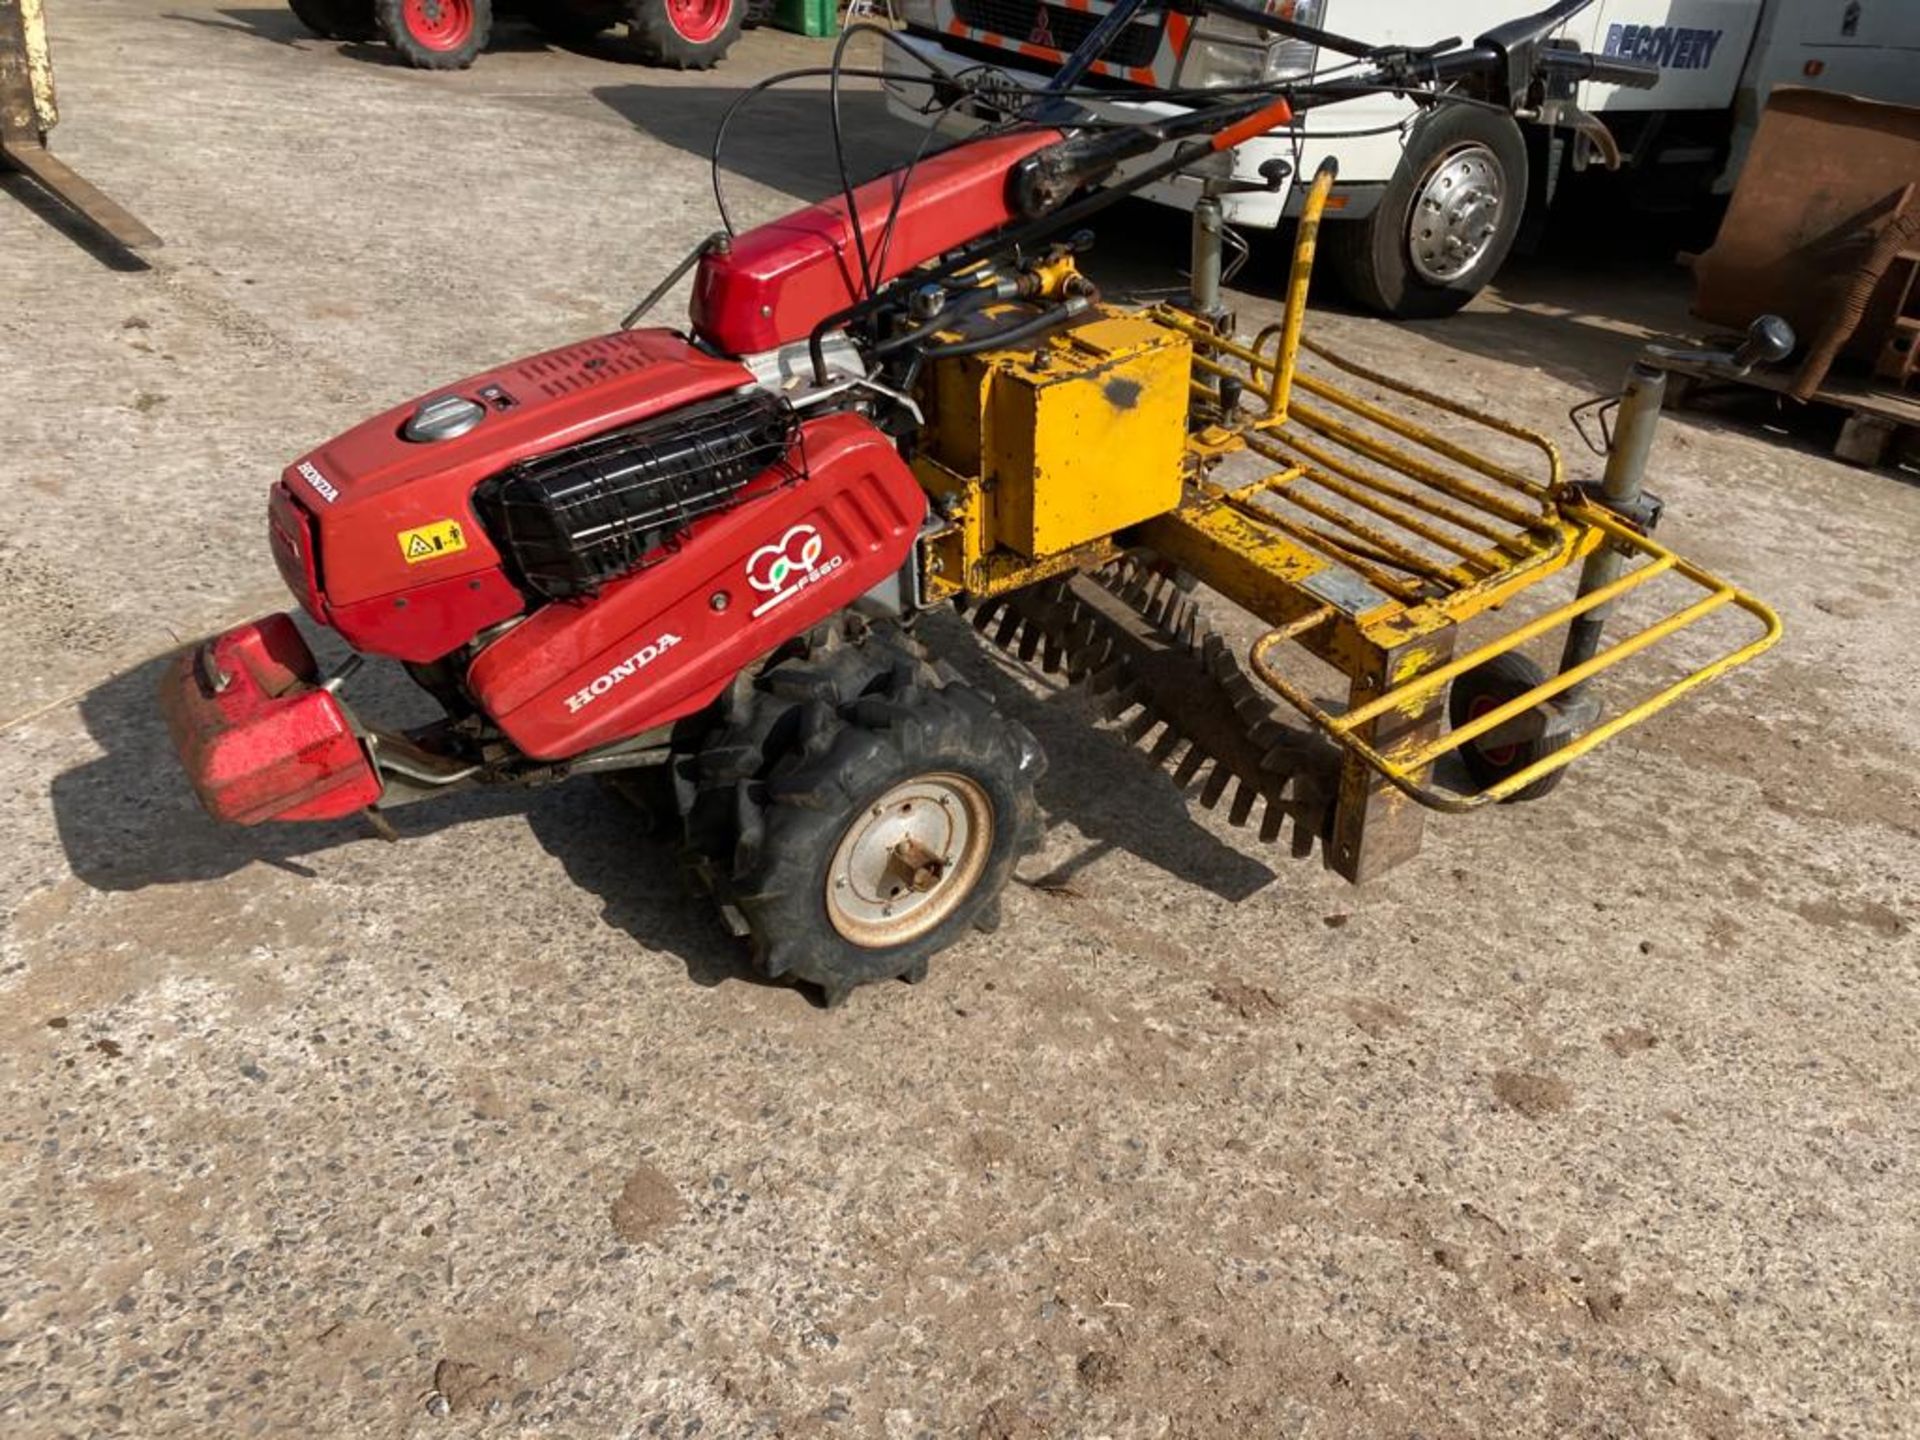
(660, 643)
(376, 534)
(777, 282)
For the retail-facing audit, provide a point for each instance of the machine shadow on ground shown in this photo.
(127, 819)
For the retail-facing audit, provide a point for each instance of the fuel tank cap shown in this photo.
(442, 418)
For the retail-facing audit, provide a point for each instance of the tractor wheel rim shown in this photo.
(1501, 757)
(1456, 214)
(440, 24)
(698, 20)
(908, 861)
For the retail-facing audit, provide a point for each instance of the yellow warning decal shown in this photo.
(430, 542)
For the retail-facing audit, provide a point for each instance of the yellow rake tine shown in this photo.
(1452, 407)
(1414, 467)
(1439, 509)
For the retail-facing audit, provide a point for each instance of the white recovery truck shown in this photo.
(1428, 204)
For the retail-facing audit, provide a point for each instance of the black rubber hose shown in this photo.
(1031, 328)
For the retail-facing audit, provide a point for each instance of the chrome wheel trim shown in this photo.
(1456, 214)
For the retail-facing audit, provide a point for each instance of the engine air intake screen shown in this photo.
(569, 521)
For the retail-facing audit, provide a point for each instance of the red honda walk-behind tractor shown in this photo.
(692, 562)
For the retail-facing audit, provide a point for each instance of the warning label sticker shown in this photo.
(430, 542)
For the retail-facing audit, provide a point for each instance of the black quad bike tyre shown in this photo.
(684, 34)
(436, 34)
(1454, 146)
(825, 748)
(336, 19)
(1483, 688)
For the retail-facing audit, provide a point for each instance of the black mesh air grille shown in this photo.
(570, 521)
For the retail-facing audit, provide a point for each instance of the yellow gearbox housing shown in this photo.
(1040, 451)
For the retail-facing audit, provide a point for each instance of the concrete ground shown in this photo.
(1598, 1118)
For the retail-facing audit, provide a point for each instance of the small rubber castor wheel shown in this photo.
(861, 811)
(336, 19)
(436, 34)
(684, 34)
(1493, 757)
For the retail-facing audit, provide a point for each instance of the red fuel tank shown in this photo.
(775, 283)
(662, 642)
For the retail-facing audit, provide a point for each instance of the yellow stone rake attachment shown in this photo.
(1368, 537)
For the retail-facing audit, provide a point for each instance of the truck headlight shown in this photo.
(1229, 52)
(917, 12)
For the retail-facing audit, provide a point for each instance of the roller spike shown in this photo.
(832, 997)
(1215, 787)
(916, 973)
(1189, 766)
(1137, 641)
(1164, 747)
(987, 919)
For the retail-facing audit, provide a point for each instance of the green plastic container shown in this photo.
(807, 17)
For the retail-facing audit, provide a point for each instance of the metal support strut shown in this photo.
(1639, 420)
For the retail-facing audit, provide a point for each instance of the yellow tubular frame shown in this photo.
(1552, 526)
(1404, 766)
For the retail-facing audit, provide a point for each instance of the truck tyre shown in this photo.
(684, 34)
(859, 811)
(1445, 222)
(336, 19)
(436, 34)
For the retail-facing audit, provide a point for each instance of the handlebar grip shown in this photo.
(1605, 69)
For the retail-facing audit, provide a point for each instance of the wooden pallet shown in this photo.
(1878, 420)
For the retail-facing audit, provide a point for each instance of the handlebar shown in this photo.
(1602, 69)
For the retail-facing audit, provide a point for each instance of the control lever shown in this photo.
(1770, 340)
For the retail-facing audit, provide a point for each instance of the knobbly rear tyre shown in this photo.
(794, 802)
(684, 34)
(436, 34)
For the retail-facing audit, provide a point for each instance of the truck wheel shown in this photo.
(436, 34)
(685, 34)
(861, 833)
(1487, 687)
(336, 19)
(1445, 222)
